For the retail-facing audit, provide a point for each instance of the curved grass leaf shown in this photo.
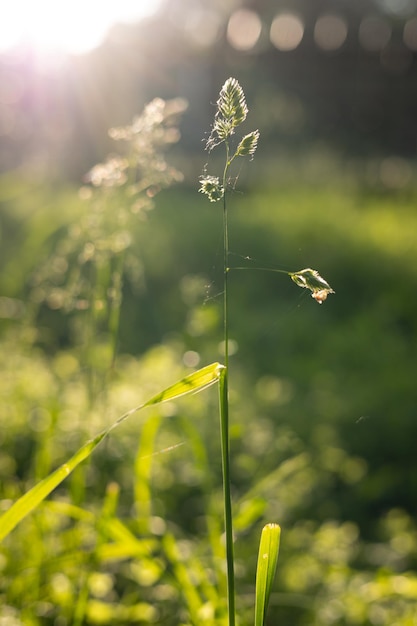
(265, 571)
(193, 383)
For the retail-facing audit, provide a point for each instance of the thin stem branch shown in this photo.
(224, 413)
(261, 269)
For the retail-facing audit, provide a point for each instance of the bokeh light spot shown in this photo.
(191, 358)
(330, 32)
(410, 34)
(287, 31)
(374, 33)
(202, 27)
(232, 345)
(395, 172)
(244, 29)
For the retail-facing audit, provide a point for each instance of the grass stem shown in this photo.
(260, 269)
(224, 414)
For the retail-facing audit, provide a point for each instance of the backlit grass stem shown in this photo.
(231, 112)
(224, 412)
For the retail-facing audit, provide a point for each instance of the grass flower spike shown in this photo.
(231, 104)
(231, 112)
(248, 145)
(211, 187)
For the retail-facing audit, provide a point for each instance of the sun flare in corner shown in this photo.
(66, 26)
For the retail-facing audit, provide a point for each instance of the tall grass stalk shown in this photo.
(231, 111)
(224, 412)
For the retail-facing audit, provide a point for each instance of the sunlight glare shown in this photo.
(69, 26)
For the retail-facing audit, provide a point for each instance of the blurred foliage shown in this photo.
(104, 301)
(322, 404)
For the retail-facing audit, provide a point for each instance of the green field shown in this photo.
(323, 404)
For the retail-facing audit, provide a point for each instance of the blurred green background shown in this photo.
(323, 398)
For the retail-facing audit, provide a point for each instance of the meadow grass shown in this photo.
(135, 535)
(105, 268)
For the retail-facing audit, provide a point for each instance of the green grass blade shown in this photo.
(197, 381)
(194, 382)
(39, 492)
(265, 572)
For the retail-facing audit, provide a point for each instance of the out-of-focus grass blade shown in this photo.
(143, 470)
(39, 492)
(197, 381)
(183, 575)
(265, 572)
